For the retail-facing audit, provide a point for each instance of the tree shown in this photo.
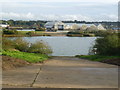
(11, 22)
(108, 45)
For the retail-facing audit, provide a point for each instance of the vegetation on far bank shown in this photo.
(74, 33)
(39, 27)
(91, 33)
(15, 33)
(40, 24)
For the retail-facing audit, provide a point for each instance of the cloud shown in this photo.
(30, 16)
(17, 16)
(66, 7)
(108, 17)
(105, 1)
(65, 17)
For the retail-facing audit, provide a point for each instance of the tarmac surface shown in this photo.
(63, 72)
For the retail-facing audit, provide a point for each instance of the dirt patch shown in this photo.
(112, 61)
(12, 63)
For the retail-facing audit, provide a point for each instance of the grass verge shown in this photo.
(29, 57)
(97, 57)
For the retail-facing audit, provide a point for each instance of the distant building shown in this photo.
(4, 25)
(83, 26)
(54, 26)
(71, 26)
(100, 27)
(115, 28)
(16, 28)
(57, 25)
(78, 26)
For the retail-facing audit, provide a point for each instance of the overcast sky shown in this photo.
(88, 10)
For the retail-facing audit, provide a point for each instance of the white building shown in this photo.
(57, 25)
(78, 26)
(100, 27)
(4, 25)
(54, 25)
(69, 26)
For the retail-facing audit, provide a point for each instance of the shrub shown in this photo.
(21, 44)
(10, 32)
(7, 44)
(30, 33)
(73, 32)
(108, 45)
(24, 46)
(103, 33)
(40, 29)
(40, 47)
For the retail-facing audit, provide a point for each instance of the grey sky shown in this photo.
(88, 10)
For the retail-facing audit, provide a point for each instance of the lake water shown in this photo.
(27, 30)
(66, 46)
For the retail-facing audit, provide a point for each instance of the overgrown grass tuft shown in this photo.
(29, 57)
(97, 57)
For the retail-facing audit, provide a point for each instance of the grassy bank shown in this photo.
(26, 34)
(29, 57)
(33, 33)
(97, 57)
(78, 34)
(115, 60)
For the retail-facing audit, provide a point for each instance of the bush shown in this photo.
(73, 32)
(24, 46)
(40, 29)
(30, 33)
(21, 44)
(7, 44)
(10, 32)
(108, 45)
(103, 33)
(40, 47)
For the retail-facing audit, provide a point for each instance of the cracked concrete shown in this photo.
(21, 76)
(63, 72)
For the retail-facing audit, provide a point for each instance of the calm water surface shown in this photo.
(66, 46)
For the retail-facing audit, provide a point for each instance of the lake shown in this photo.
(26, 30)
(66, 46)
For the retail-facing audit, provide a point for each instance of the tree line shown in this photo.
(41, 23)
(24, 24)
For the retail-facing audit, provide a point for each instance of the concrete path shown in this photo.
(63, 72)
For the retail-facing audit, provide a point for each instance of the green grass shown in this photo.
(97, 57)
(29, 57)
(24, 32)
